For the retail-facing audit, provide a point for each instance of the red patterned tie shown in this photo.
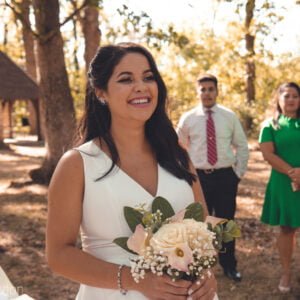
(212, 156)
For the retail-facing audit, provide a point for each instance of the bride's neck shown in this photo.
(130, 140)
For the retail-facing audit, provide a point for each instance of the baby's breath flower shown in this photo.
(200, 241)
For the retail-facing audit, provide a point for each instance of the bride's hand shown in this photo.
(204, 289)
(163, 288)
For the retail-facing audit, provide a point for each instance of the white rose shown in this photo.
(169, 236)
(171, 240)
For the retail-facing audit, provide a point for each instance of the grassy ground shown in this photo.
(23, 209)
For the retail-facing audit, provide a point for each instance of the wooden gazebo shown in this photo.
(15, 84)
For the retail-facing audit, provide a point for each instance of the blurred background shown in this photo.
(45, 49)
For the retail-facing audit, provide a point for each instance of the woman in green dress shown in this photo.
(280, 145)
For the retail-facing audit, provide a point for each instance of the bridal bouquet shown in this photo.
(181, 245)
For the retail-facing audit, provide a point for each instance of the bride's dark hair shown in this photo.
(159, 131)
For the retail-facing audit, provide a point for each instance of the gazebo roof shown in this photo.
(14, 82)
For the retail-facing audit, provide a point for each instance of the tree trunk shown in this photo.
(7, 124)
(250, 64)
(2, 145)
(28, 41)
(250, 81)
(91, 32)
(250, 60)
(58, 106)
(30, 65)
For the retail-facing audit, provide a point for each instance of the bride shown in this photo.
(128, 155)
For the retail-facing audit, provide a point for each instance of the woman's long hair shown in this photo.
(159, 131)
(278, 111)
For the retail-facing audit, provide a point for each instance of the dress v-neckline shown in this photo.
(129, 177)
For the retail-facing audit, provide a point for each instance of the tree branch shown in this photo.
(20, 17)
(50, 34)
(249, 13)
(75, 12)
(45, 37)
(74, 4)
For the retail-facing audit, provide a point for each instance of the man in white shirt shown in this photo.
(218, 148)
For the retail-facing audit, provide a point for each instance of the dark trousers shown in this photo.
(220, 189)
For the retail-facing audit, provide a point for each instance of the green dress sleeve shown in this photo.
(266, 133)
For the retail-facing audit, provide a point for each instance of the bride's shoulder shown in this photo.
(72, 156)
(69, 165)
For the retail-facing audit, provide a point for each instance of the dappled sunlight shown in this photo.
(14, 172)
(29, 210)
(249, 250)
(252, 187)
(8, 157)
(4, 184)
(15, 167)
(23, 210)
(29, 151)
(248, 207)
(37, 189)
(21, 167)
(7, 238)
(30, 188)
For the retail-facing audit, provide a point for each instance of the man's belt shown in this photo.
(210, 171)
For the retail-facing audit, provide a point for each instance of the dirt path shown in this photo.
(22, 229)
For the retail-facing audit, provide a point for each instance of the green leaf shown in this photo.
(230, 231)
(122, 242)
(133, 217)
(194, 211)
(218, 230)
(226, 237)
(229, 225)
(233, 229)
(160, 203)
(236, 233)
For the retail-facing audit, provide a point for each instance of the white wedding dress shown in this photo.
(103, 219)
